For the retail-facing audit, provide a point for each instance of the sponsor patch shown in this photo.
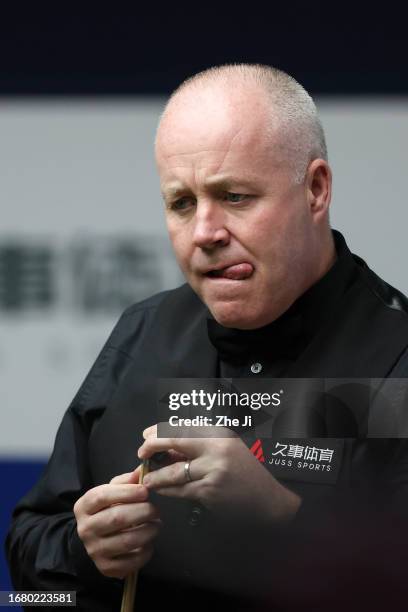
(316, 460)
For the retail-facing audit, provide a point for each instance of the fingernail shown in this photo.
(146, 480)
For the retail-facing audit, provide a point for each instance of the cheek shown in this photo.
(274, 248)
(277, 235)
(267, 239)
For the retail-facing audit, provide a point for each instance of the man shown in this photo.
(271, 292)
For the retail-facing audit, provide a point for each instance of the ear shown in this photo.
(319, 187)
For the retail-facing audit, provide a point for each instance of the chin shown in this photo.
(229, 315)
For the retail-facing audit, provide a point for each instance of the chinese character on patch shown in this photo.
(281, 450)
(296, 451)
(326, 454)
(312, 453)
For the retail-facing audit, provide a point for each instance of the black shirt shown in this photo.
(342, 530)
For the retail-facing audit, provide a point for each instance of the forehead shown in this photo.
(226, 127)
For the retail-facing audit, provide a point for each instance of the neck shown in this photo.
(327, 256)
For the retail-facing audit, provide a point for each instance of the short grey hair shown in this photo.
(293, 109)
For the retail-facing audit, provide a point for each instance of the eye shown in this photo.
(235, 197)
(182, 204)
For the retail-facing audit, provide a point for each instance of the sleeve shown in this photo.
(42, 546)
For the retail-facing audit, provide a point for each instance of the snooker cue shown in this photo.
(129, 590)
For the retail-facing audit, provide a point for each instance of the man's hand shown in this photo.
(118, 525)
(225, 477)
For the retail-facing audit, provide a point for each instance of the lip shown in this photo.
(221, 279)
(207, 271)
(230, 278)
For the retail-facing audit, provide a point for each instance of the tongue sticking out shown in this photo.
(237, 272)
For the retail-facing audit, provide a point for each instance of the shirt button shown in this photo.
(256, 368)
(195, 516)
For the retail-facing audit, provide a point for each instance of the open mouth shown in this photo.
(240, 271)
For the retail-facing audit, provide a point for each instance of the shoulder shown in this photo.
(387, 297)
(384, 312)
(154, 311)
(181, 294)
(123, 345)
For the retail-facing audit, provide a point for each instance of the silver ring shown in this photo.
(187, 471)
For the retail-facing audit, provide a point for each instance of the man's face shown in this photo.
(242, 230)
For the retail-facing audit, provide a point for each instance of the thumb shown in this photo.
(127, 478)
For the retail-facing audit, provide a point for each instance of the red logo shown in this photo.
(256, 449)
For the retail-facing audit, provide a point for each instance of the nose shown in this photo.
(210, 229)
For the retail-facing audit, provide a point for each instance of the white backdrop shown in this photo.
(82, 173)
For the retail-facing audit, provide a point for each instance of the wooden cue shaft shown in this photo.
(129, 590)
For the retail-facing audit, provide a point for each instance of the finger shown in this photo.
(150, 431)
(128, 478)
(188, 447)
(160, 460)
(129, 541)
(173, 475)
(191, 490)
(139, 553)
(104, 496)
(124, 565)
(176, 456)
(121, 517)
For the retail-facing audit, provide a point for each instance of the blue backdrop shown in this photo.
(16, 479)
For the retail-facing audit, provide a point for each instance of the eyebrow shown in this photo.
(173, 190)
(220, 182)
